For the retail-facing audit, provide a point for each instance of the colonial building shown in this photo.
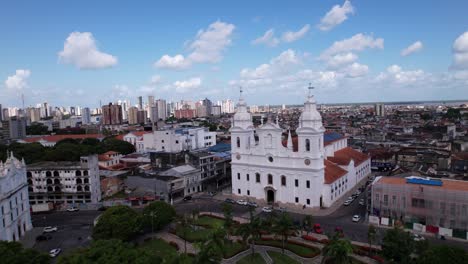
(14, 202)
(313, 169)
(65, 183)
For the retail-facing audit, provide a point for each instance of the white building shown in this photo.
(65, 183)
(14, 200)
(176, 140)
(227, 106)
(313, 169)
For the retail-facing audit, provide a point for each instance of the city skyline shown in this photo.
(351, 51)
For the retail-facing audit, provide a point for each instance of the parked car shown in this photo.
(356, 218)
(50, 229)
(212, 194)
(347, 202)
(361, 202)
(55, 252)
(187, 198)
(73, 209)
(229, 200)
(267, 209)
(252, 204)
(280, 209)
(43, 237)
(417, 237)
(318, 229)
(242, 202)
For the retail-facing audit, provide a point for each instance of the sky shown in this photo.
(78, 53)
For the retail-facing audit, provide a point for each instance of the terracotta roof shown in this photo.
(110, 152)
(333, 172)
(345, 155)
(104, 158)
(446, 183)
(56, 138)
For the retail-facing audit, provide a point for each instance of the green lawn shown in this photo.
(279, 258)
(231, 249)
(306, 252)
(160, 248)
(208, 221)
(257, 259)
(198, 235)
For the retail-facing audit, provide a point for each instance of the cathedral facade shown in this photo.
(314, 169)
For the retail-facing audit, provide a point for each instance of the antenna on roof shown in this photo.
(240, 90)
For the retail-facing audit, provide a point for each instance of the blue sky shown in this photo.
(77, 53)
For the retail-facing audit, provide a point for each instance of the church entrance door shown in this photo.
(270, 196)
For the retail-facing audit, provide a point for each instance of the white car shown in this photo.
(267, 209)
(361, 202)
(54, 252)
(242, 202)
(356, 218)
(73, 209)
(417, 237)
(50, 229)
(347, 202)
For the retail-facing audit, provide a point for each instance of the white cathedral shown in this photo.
(314, 169)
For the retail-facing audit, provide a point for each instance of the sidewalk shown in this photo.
(294, 208)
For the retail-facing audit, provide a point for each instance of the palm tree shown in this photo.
(228, 222)
(284, 227)
(211, 251)
(337, 251)
(371, 232)
(251, 229)
(185, 225)
(307, 223)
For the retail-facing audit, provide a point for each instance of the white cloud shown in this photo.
(415, 47)
(337, 15)
(121, 91)
(18, 81)
(291, 36)
(155, 79)
(395, 74)
(356, 70)
(80, 50)
(460, 52)
(357, 42)
(186, 85)
(279, 64)
(268, 39)
(207, 47)
(341, 59)
(210, 43)
(178, 62)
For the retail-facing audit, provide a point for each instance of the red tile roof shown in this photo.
(56, 138)
(344, 156)
(333, 172)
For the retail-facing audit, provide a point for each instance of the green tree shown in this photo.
(211, 251)
(284, 227)
(443, 254)
(228, 218)
(120, 146)
(118, 222)
(37, 129)
(337, 251)
(252, 230)
(157, 214)
(107, 252)
(397, 246)
(371, 232)
(32, 152)
(184, 224)
(14, 253)
(307, 223)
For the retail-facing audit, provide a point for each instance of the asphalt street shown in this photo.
(75, 228)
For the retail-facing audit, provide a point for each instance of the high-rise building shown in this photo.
(86, 116)
(153, 114)
(216, 110)
(133, 115)
(45, 110)
(141, 116)
(14, 128)
(34, 114)
(112, 114)
(379, 109)
(140, 102)
(227, 106)
(162, 109)
(5, 114)
(208, 105)
(1, 113)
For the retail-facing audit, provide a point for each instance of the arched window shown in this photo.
(48, 174)
(283, 180)
(257, 177)
(86, 180)
(86, 188)
(78, 173)
(238, 142)
(50, 189)
(307, 145)
(78, 181)
(270, 179)
(79, 188)
(85, 173)
(57, 189)
(49, 181)
(56, 181)
(56, 174)
(29, 174)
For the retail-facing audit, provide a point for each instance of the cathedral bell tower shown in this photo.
(242, 129)
(310, 132)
